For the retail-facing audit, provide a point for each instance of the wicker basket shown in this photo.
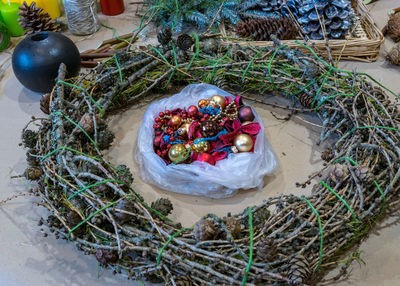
(362, 44)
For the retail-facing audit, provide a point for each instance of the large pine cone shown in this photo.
(393, 27)
(204, 230)
(263, 29)
(267, 250)
(33, 19)
(162, 205)
(300, 271)
(184, 42)
(164, 36)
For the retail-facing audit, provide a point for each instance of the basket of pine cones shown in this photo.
(345, 24)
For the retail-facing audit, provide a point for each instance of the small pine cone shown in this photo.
(182, 56)
(33, 19)
(267, 250)
(162, 205)
(87, 123)
(234, 226)
(32, 160)
(183, 281)
(306, 100)
(33, 173)
(364, 175)
(327, 155)
(105, 256)
(394, 55)
(300, 271)
(211, 46)
(29, 138)
(124, 174)
(45, 103)
(338, 173)
(164, 36)
(393, 27)
(73, 219)
(105, 139)
(184, 42)
(261, 29)
(221, 82)
(204, 230)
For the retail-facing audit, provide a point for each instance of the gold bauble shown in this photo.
(202, 103)
(184, 129)
(176, 152)
(219, 100)
(201, 147)
(243, 142)
(246, 123)
(176, 120)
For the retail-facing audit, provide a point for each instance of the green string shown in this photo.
(379, 127)
(119, 67)
(114, 32)
(196, 53)
(344, 71)
(270, 64)
(251, 246)
(321, 246)
(340, 198)
(217, 63)
(320, 88)
(69, 149)
(148, 207)
(251, 62)
(84, 90)
(330, 97)
(93, 185)
(346, 158)
(77, 125)
(182, 159)
(92, 215)
(168, 241)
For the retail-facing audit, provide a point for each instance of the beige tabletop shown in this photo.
(29, 259)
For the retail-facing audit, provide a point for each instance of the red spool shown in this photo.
(112, 7)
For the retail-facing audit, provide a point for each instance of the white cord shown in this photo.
(82, 16)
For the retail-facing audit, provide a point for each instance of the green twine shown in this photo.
(119, 67)
(114, 32)
(346, 158)
(341, 199)
(217, 63)
(251, 246)
(322, 85)
(93, 185)
(321, 246)
(251, 62)
(84, 90)
(77, 125)
(196, 53)
(162, 56)
(183, 159)
(382, 194)
(168, 241)
(330, 97)
(379, 127)
(92, 215)
(270, 64)
(69, 149)
(150, 208)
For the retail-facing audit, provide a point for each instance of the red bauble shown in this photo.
(205, 157)
(192, 110)
(246, 114)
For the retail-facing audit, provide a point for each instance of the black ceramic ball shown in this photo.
(246, 114)
(36, 60)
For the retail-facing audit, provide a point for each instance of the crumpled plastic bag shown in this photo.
(238, 171)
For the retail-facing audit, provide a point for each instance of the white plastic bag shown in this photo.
(237, 171)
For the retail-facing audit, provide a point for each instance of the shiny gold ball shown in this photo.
(176, 152)
(202, 103)
(201, 147)
(184, 129)
(219, 100)
(176, 120)
(243, 142)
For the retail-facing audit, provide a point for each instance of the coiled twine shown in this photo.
(82, 16)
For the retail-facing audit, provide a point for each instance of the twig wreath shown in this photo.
(287, 240)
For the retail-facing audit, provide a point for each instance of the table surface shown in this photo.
(29, 259)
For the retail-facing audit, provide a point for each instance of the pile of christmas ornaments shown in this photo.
(217, 127)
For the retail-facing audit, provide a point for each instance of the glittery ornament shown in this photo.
(219, 101)
(246, 114)
(201, 147)
(202, 103)
(176, 152)
(176, 120)
(243, 142)
(209, 128)
(192, 110)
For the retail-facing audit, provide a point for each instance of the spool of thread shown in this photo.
(82, 17)
(112, 7)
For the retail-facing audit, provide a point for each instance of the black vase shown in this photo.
(36, 60)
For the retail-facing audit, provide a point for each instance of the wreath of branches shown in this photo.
(287, 240)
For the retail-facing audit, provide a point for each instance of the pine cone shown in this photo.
(234, 226)
(327, 155)
(87, 123)
(105, 256)
(300, 271)
(45, 103)
(267, 250)
(182, 56)
(209, 128)
(204, 230)
(393, 27)
(29, 138)
(306, 100)
(124, 174)
(184, 42)
(164, 36)
(183, 281)
(163, 205)
(338, 173)
(220, 82)
(263, 29)
(33, 19)
(105, 139)
(33, 173)
(394, 55)
(73, 219)
(364, 175)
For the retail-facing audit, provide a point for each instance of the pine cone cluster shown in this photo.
(164, 36)
(184, 42)
(394, 55)
(162, 205)
(33, 19)
(306, 100)
(393, 27)
(267, 250)
(204, 230)
(262, 29)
